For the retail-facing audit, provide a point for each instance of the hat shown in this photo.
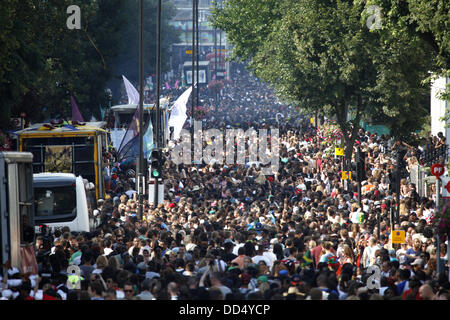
(333, 261)
(418, 261)
(295, 279)
(293, 290)
(262, 278)
(283, 273)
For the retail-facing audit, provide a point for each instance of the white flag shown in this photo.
(178, 114)
(132, 93)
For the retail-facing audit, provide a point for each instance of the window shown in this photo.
(55, 203)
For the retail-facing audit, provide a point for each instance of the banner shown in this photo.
(58, 159)
(178, 113)
(132, 93)
(76, 115)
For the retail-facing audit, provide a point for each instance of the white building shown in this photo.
(438, 108)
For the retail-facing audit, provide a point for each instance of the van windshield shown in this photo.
(55, 202)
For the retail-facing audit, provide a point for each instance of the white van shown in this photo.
(60, 201)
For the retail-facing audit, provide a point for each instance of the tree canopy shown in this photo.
(321, 56)
(42, 61)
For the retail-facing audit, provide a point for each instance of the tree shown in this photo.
(42, 62)
(426, 20)
(321, 56)
(127, 61)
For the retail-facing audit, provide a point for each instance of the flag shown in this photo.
(129, 147)
(178, 114)
(148, 139)
(307, 259)
(102, 112)
(167, 85)
(176, 84)
(130, 134)
(132, 93)
(76, 115)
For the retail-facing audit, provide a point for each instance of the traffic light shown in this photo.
(157, 164)
(361, 166)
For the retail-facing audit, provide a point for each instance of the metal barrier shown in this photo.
(432, 155)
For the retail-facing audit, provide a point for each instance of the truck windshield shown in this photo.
(55, 203)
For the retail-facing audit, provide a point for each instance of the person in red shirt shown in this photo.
(414, 286)
(317, 252)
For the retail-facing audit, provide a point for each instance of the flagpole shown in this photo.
(197, 51)
(158, 82)
(140, 166)
(193, 66)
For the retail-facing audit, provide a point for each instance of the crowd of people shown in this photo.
(228, 232)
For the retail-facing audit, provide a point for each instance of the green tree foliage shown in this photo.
(42, 62)
(127, 62)
(423, 22)
(321, 56)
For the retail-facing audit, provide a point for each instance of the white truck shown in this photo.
(60, 201)
(17, 211)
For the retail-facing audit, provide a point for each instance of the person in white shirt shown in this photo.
(260, 256)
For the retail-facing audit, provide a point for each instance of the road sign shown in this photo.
(346, 175)
(151, 191)
(398, 236)
(445, 187)
(437, 170)
(339, 151)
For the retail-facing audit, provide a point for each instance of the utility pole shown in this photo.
(158, 88)
(198, 50)
(358, 155)
(193, 66)
(140, 166)
(397, 187)
(438, 244)
(215, 61)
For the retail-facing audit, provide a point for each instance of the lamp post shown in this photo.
(197, 51)
(194, 11)
(140, 166)
(158, 88)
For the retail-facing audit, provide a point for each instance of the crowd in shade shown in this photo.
(228, 232)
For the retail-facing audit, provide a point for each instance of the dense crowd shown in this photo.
(228, 232)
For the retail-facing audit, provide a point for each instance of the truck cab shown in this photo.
(60, 201)
(17, 211)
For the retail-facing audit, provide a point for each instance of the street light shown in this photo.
(140, 164)
(158, 88)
